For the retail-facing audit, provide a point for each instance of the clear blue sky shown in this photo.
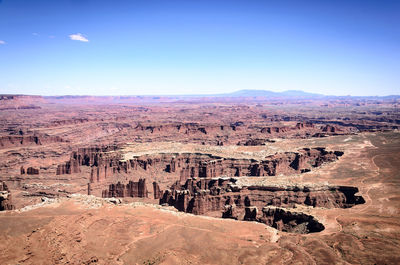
(337, 47)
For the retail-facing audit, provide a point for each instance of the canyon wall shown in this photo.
(157, 193)
(132, 189)
(26, 140)
(5, 198)
(222, 197)
(105, 163)
(285, 220)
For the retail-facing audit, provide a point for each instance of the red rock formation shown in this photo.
(231, 212)
(132, 189)
(104, 164)
(330, 128)
(227, 133)
(208, 166)
(286, 129)
(20, 140)
(156, 191)
(56, 123)
(288, 221)
(5, 198)
(253, 142)
(193, 165)
(210, 195)
(32, 171)
(89, 189)
(68, 168)
(251, 213)
(98, 158)
(22, 169)
(14, 102)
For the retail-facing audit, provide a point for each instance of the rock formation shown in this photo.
(89, 189)
(229, 200)
(289, 220)
(5, 198)
(286, 129)
(69, 167)
(192, 165)
(96, 157)
(22, 140)
(156, 191)
(233, 133)
(18, 102)
(132, 189)
(32, 171)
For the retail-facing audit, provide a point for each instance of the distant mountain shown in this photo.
(267, 93)
(299, 93)
(247, 93)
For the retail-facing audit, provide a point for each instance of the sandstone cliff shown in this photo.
(26, 140)
(221, 197)
(5, 198)
(132, 189)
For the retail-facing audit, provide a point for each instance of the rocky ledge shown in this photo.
(287, 220)
(229, 198)
(5, 198)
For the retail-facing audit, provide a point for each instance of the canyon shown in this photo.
(226, 198)
(307, 177)
(191, 165)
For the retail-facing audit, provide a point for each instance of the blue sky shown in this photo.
(340, 47)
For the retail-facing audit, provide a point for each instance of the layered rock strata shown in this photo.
(286, 220)
(5, 198)
(100, 158)
(222, 197)
(132, 189)
(231, 133)
(26, 140)
(157, 193)
(104, 163)
(32, 171)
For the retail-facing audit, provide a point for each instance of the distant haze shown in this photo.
(87, 47)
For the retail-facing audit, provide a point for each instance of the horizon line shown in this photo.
(306, 94)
